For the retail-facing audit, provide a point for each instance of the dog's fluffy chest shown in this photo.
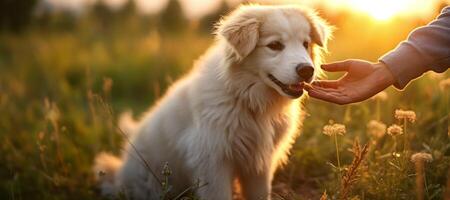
(252, 138)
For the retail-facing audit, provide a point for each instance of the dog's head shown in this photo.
(279, 44)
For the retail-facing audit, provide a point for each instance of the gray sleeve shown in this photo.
(427, 48)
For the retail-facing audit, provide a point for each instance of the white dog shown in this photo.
(234, 116)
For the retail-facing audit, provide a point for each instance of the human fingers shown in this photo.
(324, 89)
(326, 83)
(337, 66)
(333, 97)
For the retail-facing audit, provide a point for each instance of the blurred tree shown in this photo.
(103, 14)
(64, 20)
(129, 18)
(129, 9)
(16, 14)
(208, 22)
(172, 19)
(110, 20)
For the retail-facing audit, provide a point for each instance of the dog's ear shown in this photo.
(320, 30)
(241, 31)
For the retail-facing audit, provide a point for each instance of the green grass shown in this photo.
(52, 122)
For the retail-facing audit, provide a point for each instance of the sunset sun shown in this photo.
(384, 9)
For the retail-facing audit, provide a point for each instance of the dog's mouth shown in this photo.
(293, 90)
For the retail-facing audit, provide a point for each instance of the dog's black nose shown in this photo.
(305, 71)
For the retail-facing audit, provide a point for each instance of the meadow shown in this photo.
(65, 80)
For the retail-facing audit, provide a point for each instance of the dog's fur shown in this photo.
(226, 119)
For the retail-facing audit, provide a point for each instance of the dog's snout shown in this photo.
(305, 71)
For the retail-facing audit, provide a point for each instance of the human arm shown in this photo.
(427, 48)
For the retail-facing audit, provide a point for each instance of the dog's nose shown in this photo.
(305, 71)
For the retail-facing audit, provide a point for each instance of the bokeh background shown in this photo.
(68, 68)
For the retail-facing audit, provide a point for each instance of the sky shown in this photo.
(379, 9)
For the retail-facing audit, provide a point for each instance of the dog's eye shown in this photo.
(306, 45)
(276, 46)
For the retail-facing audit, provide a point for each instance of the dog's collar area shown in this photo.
(293, 90)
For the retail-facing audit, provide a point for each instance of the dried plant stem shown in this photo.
(405, 145)
(351, 175)
(193, 187)
(140, 156)
(57, 141)
(426, 184)
(419, 180)
(163, 183)
(109, 112)
(447, 191)
(395, 143)
(337, 154)
(324, 196)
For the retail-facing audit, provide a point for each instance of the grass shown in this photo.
(54, 83)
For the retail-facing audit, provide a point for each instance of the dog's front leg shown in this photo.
(256, 186)
(218, 179)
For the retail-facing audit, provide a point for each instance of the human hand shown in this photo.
(362, 81)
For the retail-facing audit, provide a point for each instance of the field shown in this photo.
(64, 82)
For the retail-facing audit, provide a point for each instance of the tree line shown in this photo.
(18, 16)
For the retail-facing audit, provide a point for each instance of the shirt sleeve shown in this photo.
(427, 48)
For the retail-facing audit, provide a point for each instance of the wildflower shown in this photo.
(395, 130)
(405, 115)
(334, 129)
(381, 96)
(444, 84)
(420, 157)
(376, 128)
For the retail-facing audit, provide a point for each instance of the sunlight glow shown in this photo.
(382, 9)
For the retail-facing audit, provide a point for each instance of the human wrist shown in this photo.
(384, 74)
